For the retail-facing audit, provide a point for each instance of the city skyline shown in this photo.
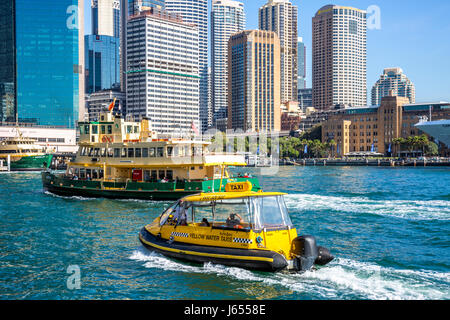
(411, 27)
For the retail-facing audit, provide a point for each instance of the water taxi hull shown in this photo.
(31, 163)
(59, 185)
(262, 260)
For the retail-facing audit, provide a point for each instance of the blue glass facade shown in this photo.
(102, 63)
(7, 61)
(46, 53)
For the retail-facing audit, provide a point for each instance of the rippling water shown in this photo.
(389, 229)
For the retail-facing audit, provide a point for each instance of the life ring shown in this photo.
(104, 139)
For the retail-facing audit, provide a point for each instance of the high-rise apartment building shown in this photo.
(163, 73)
(339, 70)
(227, 18)
(280, 16)
(41, 61)
(196, 12)
(301, 84)
(393, 79)
(106, 17)
(254, 81)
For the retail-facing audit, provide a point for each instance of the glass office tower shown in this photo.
(41, 68)
(102, 63)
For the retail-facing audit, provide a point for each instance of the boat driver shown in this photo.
(235, 221)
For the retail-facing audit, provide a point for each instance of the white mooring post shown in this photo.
(9, 162)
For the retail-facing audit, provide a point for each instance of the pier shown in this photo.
(368, 162)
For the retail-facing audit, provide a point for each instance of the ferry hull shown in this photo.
(32, 163)
(140, 191)
(262, 260)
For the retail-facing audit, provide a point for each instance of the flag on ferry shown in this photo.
(194, 128)
(111, 106)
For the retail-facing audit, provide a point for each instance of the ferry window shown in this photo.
(83, 151)
(91, 150)
(94, 129)
(169, 151)
(86, 129)
(154, 175)
(88, 174)
(176, 151)
(94, 174)
(77, 171)
(130, 152)
(124, 153)
(147, 175)
(103, 153)
(110, 152)
(103, 129)
(151, 152)
(60, 140)
(136, 129)
(169, 174)
(162, 174)
(100, 174)
(138, 152)
(144, 152)
(116, 152)
(82, 173)
(96, 152)
(109, 129)
(129, 129)
(160, 152)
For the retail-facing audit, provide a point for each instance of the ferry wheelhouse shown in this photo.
(126, 159)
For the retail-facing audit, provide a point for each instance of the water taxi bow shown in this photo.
(242, 228)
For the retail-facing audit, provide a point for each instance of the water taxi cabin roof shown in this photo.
(212, 196)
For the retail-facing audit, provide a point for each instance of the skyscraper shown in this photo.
(106, 17)
(393, 79)
(102, 63)
(254, 81)
(227, 18)
(301, 64)
(339, 74)
(163, 74)
(280, 16)
(41, 61)
(196, 12)
(102, 47)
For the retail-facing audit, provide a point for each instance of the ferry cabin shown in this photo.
(19, 147)
(120, 151)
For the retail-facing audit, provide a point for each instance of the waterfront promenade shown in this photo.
(384, 162)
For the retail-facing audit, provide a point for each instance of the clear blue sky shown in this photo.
(414, 35)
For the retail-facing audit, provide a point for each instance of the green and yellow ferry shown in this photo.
(24, 154)
(126, 160)
(240, 228)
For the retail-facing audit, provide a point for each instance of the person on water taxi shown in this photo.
(234, 221)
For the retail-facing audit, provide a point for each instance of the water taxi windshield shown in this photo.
(249, 213)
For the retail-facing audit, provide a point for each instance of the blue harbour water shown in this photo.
(389, 229)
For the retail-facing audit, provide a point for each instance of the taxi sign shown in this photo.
(238, 186)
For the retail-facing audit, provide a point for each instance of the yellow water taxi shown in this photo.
(239, 227)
